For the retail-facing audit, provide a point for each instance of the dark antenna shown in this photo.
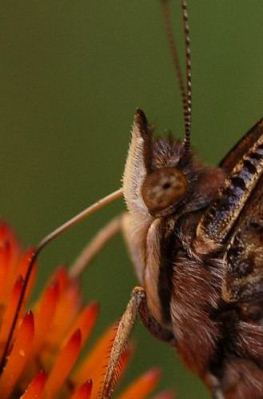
(188, 62)
(185, 88)
(170, 37)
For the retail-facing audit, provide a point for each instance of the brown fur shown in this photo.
(185, 273)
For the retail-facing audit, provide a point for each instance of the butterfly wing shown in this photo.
(235, 220)
(219, 221)
(244, 256)
(240, 148)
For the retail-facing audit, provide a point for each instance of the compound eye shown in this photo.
(163, 188)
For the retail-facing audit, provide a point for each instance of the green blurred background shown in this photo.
(72, 73)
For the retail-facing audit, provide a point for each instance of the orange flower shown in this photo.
(42, 356)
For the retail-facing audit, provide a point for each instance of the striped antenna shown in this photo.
(185, 84)
(188, 62)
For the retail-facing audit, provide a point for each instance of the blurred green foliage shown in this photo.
(71, 75)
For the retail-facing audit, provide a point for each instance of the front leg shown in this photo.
(153, 326)
(124, 328)
(136, 305)
(214, 386)
(217, 393)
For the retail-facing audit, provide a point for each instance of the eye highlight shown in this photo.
(163, 188)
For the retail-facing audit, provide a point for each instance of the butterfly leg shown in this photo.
(124, 329)
(153, 326)
(214, 386)
(217, 394)
(136, 305)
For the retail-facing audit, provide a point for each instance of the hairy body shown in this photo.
(206, 293)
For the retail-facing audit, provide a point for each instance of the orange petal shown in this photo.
(61, 277)
(5, 253)
(63, 364)
(84, 391)
(86, 321)
(94, 365)
(9, 253)
(46, 309)
(36, 388)
(7, 235)
(11, 309)
(143, 386)
(18, 357)
(67, 308)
